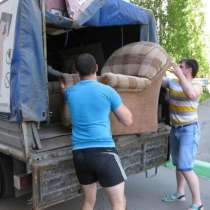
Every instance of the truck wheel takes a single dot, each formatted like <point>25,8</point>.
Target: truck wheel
<point>6,177</point>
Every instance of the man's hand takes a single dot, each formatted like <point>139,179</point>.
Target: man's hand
<point>63,85</point>
<point>191,91</point>
<point>177,71</point>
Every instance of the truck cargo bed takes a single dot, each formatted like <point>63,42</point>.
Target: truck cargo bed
<point>53,137</point>
<point>54,178</point>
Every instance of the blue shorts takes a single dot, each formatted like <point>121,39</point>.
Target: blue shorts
<point>184,145</point>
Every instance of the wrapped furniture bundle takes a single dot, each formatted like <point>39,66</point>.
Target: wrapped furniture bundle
<point>136,72</point>
<point>80,11</point>
<point>56,5</point>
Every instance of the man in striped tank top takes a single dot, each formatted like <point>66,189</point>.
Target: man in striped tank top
<point>184,136</point>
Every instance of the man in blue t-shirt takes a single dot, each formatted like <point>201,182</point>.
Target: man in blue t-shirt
<point>95,157</point>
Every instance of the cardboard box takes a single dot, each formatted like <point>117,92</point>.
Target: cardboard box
<point>59,5</point>
<point>82,10</point>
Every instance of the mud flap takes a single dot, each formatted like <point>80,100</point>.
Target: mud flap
<point>6,176</point>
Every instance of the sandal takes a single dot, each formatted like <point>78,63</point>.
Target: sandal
<point>174,197</point>
<point>196,207</point>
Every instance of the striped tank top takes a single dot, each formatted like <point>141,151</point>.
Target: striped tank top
<point>182,109</point>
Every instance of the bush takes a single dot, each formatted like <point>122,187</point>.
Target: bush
<point>205,96</point>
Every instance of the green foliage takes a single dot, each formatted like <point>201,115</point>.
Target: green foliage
<point>205,96</point>
<point>180,27</point>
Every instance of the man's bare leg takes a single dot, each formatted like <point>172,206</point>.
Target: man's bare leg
<point>116,196</point>
<point>180,182</point>
<point>89,196</point>
<point>193,183</point>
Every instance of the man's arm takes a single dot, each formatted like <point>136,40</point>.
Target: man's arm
<point>124,115</point>
<point>54,72</point>
<point>191,91</point>
<point>60,75</point>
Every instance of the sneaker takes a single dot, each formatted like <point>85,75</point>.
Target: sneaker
<point>196,207</point>
<point>173,197</point>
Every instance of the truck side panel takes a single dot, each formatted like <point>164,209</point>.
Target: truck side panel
<point>54,179</point>
<point>11,139</point>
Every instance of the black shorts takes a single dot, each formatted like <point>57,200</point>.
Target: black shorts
<point>101,165</point>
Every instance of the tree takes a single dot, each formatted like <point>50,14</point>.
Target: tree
<point>180,27</point>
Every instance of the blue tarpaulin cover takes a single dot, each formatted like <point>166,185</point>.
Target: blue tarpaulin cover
<point>113,13</point>
<point>119,12</point>
<point>29,89</point>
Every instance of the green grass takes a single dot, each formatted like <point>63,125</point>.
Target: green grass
<point>205,96</point>
<point>200,167</point>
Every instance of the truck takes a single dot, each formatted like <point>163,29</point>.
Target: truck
<point>35,146</point>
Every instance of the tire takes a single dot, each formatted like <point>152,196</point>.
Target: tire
<point>6,177</point>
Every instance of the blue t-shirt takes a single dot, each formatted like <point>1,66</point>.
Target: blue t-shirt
<point>90,103</point>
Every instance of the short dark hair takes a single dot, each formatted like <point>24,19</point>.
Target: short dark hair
<point>85,64</point>
<point>191,63</point>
